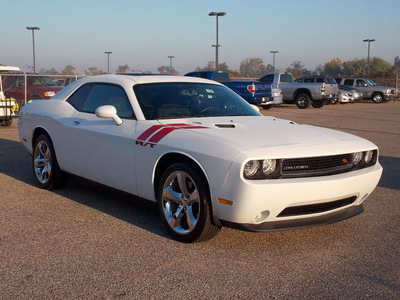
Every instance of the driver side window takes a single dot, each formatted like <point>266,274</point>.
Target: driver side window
<point>90,96</point>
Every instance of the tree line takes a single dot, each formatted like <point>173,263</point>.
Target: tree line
<point>255,68</point>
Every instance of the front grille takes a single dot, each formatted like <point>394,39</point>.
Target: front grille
<point>316,166</point>
<point>315,208</point>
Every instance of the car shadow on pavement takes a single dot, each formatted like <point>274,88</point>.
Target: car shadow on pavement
<point>15,162</point>
<point>391,172</point>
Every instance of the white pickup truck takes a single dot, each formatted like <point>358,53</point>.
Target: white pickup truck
<point>303,94</point>
<point>7,105</point>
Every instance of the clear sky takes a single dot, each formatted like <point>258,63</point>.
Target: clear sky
<point>142,33</point>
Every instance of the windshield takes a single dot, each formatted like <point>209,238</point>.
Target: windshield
<point>187,100</point>
<point>41,81</point>
<point>371,82</point>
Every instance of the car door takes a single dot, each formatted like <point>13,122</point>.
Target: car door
<point>96,148</point>
<point>364,86</point>
<point>12,86</point>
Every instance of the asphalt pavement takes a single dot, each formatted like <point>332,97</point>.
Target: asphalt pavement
<point>88,242</point>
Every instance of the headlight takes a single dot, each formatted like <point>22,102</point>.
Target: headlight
<point>251,168</point>
<point>49,93</point>
<point>261,169</point>
<point>368,156</point>
<point>269,166</point>
<point>357,157</point>
<point>365,159</point>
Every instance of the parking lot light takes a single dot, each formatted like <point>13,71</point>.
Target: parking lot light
<point>33,42</point>
<point>369,41</point>
<point>108,61</point>
<point>273,54</point>
<point>216,14</point>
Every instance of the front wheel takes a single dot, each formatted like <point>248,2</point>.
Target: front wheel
<point>377,97</point>
<point>45,167</point>
<point>183,202</point>
<point>303,101</point>
<point>266,107</point>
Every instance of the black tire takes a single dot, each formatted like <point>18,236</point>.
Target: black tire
<point>377,97</point>
<point>183,203</point>
<point>7,122</point>
<point>45,166</point>
<point>303,101</point>
<point>317,104</point>
<point>266,107</point>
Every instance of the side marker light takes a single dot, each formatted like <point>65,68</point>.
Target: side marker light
<point>224,201</point>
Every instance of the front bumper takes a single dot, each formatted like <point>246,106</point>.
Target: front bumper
<point>389,97</point>
<point>333,217</point>
<point>257,205</point>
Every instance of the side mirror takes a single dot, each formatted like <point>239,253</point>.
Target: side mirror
<point>108,111</point>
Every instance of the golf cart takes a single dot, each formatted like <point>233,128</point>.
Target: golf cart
<point>8,106</point>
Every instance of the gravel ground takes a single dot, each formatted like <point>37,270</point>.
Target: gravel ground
<point>88,242</point>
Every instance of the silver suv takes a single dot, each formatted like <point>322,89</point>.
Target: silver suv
<point>371,90</point>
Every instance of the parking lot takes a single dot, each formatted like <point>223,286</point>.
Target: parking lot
<point>86,241</point>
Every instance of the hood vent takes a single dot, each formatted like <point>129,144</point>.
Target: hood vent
<point>225,125</point>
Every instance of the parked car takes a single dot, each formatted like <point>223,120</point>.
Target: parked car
<point>377,93</point>
<point>356,94</point>
<point>195,147</point>
<point>254,92</point>
<point>345,97</point>
<point>39,87</point>
<point>69,80</point>
<point>303,94</point>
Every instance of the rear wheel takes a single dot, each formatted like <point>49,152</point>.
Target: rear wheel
<point>303,101</point>
<point>183,202</point>
<point>45,167</point>
<point>266,106</point>
<point>377,97</point>
<point>317,104</point>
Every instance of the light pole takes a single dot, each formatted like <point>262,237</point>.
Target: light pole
<point>273,55</point>
<point>216,14</point>
<point>369,41</point>
<point>108,61</point>
<point>170,61</point>
<point>33,42</point>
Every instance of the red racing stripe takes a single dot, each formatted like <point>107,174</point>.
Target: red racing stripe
<point>160,134</point>
<point>156,132</point>
<point>147,133</point>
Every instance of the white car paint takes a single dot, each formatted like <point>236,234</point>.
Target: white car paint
<point>124,156</point>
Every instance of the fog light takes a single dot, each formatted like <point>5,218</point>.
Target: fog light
<point>262,216</point>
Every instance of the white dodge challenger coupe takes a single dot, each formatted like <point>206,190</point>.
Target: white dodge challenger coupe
<point>207,157</point>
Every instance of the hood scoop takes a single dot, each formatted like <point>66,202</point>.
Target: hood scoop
<point>225,125</point>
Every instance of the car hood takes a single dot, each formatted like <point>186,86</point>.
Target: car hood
<point>262,136</point>
<point>46,87</point>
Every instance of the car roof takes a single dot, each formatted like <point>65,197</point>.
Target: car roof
<point>128,81</point>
